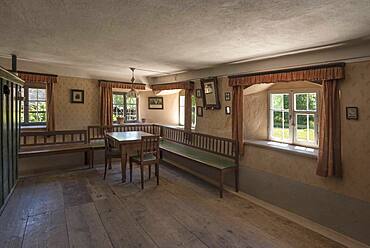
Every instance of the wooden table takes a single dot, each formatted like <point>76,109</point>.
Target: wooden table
<point>126,140</point>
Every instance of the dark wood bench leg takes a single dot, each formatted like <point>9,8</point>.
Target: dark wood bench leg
<point>221,183</point>
<point>157,172</point>
<point>86,160</point>
<point>92,158</point>
<point>150,171</point>
<point>237,179</point>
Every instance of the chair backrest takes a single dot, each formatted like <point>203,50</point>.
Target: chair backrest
<point>109,143</point>
<point>149,144</point>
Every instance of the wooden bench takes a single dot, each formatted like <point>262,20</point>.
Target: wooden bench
<point>96,133</point>
<point>214,152</point>
<point>39,143</point>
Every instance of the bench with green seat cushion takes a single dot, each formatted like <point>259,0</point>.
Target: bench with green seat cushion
<point>208,158</point>
<point>215,161</point>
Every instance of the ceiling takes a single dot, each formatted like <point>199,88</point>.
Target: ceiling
<point>101,39</point>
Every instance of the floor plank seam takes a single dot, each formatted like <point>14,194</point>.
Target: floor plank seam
<point>141,226</point>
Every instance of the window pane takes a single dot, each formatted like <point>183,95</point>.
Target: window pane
<point>302,128</point>
<point>193,111</point>
<point>32,94</point>
<point>32,117</point>
<point>41,117</point>
<point>41,106</point>
<point>117,99</point>
<point>311,125</point>
<point>286,101</point>
<point>182,115</point>
<point>300,101</point>
<point>312,103</point>
<point>276,101</point>
<point>277,125</point>
<point>131,100</point>
<point>41,94</point>
<point>32,106</point>
<point>182,101</point>
<point>286,126</point>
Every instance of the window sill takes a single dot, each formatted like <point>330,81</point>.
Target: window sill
<point>39,127</point>
<point>294,149</point>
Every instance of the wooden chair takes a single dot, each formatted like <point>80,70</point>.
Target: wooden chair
<point>110,152</point>
<point>148,155</point>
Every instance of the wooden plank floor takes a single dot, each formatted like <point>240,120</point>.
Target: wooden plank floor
<point>79,209</point>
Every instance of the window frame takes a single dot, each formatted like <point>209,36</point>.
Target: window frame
<point>193,111</point>
<point>293,133</point>
<point>26,103</point>
<point>124,94</point>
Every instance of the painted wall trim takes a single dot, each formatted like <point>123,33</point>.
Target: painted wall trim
<point>351,52</point>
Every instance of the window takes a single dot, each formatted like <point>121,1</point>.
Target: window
<point>182,111</point>
<point>33,108</point>
<point>294,117</point>
<point>124,106</point>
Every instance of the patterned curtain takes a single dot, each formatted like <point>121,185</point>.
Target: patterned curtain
<point>121,85</point>
<point>50,113</point>
<point>106,106</point>
<point>329,160</point>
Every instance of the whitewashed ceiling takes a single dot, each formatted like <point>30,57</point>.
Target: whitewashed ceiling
<point>101,39</point>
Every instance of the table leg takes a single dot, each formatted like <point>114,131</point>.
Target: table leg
<point>123,163</point>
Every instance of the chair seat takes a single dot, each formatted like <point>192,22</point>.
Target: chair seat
<point>147,157</point>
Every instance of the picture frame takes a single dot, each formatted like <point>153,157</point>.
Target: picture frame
<point>352,113</point>
<point>198,93</point>
<point>228,110</point>
<point>155,102</point>
<point>210,93</point>
<point>77,96</point>
<point>227,96</point>
<point>199,111</point>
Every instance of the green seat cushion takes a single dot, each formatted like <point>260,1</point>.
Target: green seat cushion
<point>147,157</point>
<point>97,143</point>
<point>208,158</point>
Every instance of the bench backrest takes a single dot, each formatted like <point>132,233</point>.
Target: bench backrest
<point>97,132</point>
<point>218,145</point>
<point>38,138</point>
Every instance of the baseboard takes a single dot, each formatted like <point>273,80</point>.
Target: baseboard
<point>309,224</point>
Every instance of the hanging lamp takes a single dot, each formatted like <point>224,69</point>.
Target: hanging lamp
<point>133,93</point>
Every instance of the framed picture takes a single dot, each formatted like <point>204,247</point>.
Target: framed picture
<point>155,102</point>
<point>210,93</point>
<point>228,110</point>
<point>77,96</point>
<point>198,93</point>
<point>227,96</point>
<point>352,113</point>
<point>199,111</point>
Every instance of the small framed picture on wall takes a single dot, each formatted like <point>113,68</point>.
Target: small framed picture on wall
<point>155,102</point>
<point>352,113</point>
<point>77,96</point>
<point>198,93</point>
<point>227,96</point>
<point>199,111</point>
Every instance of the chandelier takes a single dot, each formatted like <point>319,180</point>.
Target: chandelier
<point>133,93</point>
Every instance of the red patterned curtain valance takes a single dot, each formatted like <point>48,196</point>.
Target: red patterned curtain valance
<point>30,77</point>
<point>186,85</point>
<point>122,85</point>
<point>314,73</point>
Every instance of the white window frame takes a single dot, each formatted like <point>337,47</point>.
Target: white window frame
<point>293,116</point>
